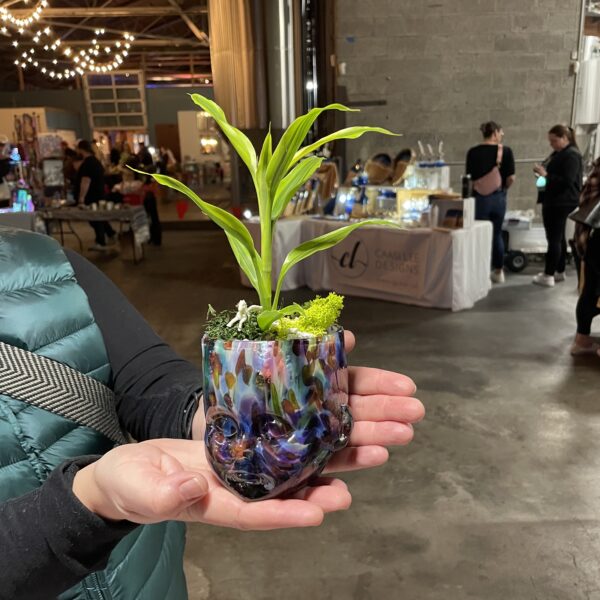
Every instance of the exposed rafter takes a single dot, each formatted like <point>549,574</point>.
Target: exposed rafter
<point>113,12</point>
<point>193,28</point>
<point>171,38</point>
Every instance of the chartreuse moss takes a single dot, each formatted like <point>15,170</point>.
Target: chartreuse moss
<point>319,315</point>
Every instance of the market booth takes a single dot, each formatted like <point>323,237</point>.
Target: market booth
<point>424,267</point>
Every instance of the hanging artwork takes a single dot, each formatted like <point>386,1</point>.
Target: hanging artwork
<point>26,129</point>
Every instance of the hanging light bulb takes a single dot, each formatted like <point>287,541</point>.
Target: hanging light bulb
<point>83,59</point>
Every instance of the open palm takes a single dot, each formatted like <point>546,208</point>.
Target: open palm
<point>169,479</point>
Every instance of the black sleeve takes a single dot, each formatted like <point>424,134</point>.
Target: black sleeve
<point>564,170</point>
<point>508,163</point>
<point>49,540</point>
<point>85,170</point>
<point>157,390</point>
<point>469,166</point>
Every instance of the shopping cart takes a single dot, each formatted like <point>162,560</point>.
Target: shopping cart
<point>524,237</point>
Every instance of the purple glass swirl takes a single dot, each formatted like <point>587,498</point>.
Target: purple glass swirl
<point>276,411</point>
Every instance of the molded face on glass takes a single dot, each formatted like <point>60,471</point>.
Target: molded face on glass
<point>276,411</point>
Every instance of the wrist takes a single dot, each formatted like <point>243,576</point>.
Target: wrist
<point>86,490</point>
<point>198,422</point>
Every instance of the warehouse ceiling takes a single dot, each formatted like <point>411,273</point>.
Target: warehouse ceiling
<point>170,41</point>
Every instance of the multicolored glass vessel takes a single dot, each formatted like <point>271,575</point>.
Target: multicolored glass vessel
<point>276,411</point>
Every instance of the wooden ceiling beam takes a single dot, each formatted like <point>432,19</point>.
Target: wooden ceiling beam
<point>112,12</point>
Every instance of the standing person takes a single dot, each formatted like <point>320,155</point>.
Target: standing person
<point>491,166</point>
<point>168,162</point>
<point>564,179</point>
<point>587,246</point>
<point>90,189</point>
<point>144,157</point>
<point>73,511</point>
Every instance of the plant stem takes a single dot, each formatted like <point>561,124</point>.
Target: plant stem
<point>266,235</point>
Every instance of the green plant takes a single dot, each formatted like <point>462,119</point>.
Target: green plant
<point>277,175</point>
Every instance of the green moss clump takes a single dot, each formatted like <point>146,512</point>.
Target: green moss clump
<point>319,315</point>
<point>216,327</point>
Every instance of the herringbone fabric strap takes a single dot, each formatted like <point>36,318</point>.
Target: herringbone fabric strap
<point>55,387</point>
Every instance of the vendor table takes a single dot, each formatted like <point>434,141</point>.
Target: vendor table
<point>18,220</point>
<point>425,267</point>
<point>134,216</point>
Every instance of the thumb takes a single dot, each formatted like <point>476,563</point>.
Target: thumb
<point>166,497</point>
<point>171,495</point>
<point>193,488</point>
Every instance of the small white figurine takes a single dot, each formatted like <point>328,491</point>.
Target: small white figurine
<point>243,312</point>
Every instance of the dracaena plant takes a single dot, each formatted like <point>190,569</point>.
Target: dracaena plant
<point>277,175</point>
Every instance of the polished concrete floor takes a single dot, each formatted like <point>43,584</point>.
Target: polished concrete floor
<point>498,497</point>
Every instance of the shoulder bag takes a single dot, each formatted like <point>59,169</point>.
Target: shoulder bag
<point>492,181</point>
<point>55,387</point>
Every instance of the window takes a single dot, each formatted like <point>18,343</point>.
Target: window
<point>116,100</point>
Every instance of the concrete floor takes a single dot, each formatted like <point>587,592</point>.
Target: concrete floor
<point>498,497</point>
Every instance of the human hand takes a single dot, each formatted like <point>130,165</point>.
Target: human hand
<point>169,479</point>
<point>540,170</point>
<point>384,410</point>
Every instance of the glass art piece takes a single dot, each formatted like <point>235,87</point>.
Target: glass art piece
<point>275,411</point>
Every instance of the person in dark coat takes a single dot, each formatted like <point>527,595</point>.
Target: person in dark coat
<point>563,172</point>
<point>70,507</point>
<point>587,247</point>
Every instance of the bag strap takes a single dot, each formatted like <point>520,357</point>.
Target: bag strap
<point>52,386</point>
<point>499,155</point>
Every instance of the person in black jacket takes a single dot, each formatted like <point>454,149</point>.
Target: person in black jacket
<point>57,534</point>
<point>587,249</point>
<point>481,160</point>
<point>564,180</point>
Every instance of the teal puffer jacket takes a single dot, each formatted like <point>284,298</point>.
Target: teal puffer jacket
<point>43,310</point>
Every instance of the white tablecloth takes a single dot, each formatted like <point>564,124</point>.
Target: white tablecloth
<point>418,266</point>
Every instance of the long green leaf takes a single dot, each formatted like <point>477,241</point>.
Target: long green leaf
<point>323,242</point>
<point>260,181</point>
<point>349,133</point>
<point>245,262</point>
<point>268,317</point>
<point>239,141</point>
<point>237,233</point>
<point>298,176</point>
<point>292,140</point>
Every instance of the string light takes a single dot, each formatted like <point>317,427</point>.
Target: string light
<point>99,58</point>
<point>86,58</point>
<point>22,24</point>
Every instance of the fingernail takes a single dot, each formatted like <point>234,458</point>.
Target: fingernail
<point>192,489</point>
<point>406,387</point>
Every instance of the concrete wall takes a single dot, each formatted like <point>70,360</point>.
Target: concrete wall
<point>164,103</point>
<point>445,66</point>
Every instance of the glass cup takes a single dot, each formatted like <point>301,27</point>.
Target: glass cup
<point>276,411</point>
